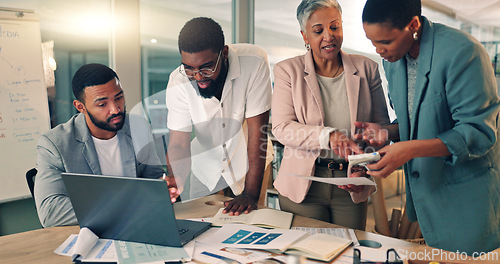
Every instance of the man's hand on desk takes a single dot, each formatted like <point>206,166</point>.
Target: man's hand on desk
<point>243,203</point>
<point>172,187</point>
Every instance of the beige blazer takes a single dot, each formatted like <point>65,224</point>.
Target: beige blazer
<point>298,114</point>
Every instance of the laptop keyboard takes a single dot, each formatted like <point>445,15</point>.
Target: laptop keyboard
<point>182,231</point>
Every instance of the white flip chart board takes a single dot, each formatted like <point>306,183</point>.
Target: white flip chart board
<point>24,113</point>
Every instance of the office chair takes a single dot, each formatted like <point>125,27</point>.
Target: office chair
<point>30,179</point>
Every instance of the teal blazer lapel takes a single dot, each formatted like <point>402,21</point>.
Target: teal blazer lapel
<point>424,68</point>
<point>312,84</point>
<point>398,91</point>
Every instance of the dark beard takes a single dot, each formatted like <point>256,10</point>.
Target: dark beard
<point>216,85</point>
<point>105,125</point>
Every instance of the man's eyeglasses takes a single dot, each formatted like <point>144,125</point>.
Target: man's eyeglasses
<point>205,72</point>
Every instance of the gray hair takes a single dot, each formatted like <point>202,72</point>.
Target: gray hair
<point>307,7</point>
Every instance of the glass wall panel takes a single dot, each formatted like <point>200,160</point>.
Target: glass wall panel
<point>278,31</point>
<point>160,24</point>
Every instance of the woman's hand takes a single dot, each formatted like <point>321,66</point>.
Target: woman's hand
<point>397,154</point>
<point>342,145</point>
<point>373,134</point>
<point>352,187</point>
<point>393,157</point>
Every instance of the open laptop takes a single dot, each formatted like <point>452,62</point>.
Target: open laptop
<point>130,209</point>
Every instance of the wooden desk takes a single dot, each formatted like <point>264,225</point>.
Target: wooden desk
<point>37,246</point>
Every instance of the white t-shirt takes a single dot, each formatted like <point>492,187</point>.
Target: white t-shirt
<point>219,147</point>
<point>108,152</point>
<point>336,108</point>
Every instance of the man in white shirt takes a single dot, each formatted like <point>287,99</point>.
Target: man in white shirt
<point>101,139</point>
<point>222,95</point>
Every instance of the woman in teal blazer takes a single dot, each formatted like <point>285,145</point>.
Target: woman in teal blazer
<point>444,93</point>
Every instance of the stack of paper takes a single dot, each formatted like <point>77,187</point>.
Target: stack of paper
<point>319,246</point>
<point>87,247</point>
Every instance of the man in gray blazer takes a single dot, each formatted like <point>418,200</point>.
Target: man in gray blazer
<point>102,139</point>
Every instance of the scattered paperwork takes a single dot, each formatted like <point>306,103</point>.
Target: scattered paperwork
<point>87,247</point>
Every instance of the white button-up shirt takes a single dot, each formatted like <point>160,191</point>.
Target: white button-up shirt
<point>219,147</point>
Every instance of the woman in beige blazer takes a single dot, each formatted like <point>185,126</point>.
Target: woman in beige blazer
<point>316,100</point>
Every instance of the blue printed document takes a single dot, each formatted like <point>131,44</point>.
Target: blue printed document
<point>247,236</point>
<point>87,247</point>
<point>317,246</point>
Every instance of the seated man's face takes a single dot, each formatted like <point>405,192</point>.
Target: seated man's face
<point>105,106</point>
<point>205,61</point>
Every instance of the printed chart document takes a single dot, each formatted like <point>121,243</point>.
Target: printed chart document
<point>87,247</point>
<point>219,254</point>
<point>319,246</point>
<point>270,218</point>
<point>248,236</point>
<point>207,254</point>
<point>132,252</point>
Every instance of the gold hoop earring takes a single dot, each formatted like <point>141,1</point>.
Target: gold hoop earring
<point>415,35</point>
